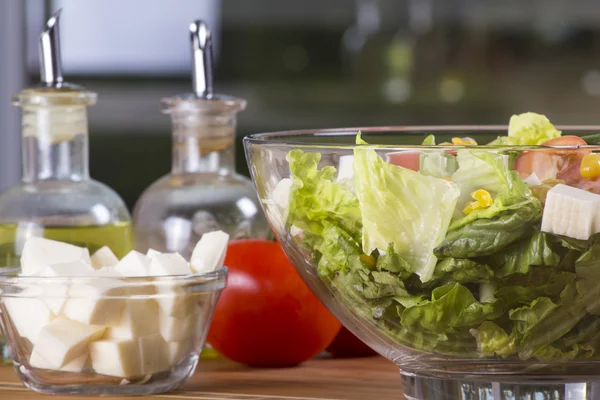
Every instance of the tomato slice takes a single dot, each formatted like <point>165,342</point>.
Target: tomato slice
<point>405,159</point>
<point>549,164</point>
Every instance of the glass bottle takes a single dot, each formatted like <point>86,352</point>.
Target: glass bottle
<point>202,193</point>
<point>56,197</point>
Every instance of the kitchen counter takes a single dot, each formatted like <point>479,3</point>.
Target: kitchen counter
<point>351,379</point>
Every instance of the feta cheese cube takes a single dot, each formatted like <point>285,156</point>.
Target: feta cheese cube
<point>64,340</point>
<point>155,354</point>
<point>532,180</point>
<point>209,253</point>
<point>38,253</point>
<point>176,329</point>
<point>151,253</point>
<point>134,264</point>
<point>139,318</point>
<point>571,212</point>
<point>130,358</point>
<point>173,300</point>
<point>76,268</point>
<point>28,315</point>
<point>77,365</point>
<point>345,168</point>
<point>169,264</point>
<point>104,257</point>
<point>178,350</point>
<point>119,358</point>
<point>93,302</point>
<point>110,272</point>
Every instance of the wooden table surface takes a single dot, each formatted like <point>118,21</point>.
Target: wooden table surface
<point>350,379</point>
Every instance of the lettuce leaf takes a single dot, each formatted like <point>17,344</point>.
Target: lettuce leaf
<point>492,339</point>
<point>528,129</point>
<point>587,268</point>
<point>462,270</point>
<point>527,317</point>
<point>451,306</point>
<point>328,214</point>
<point>484,237</point>
<point>488,171</point>
<point>402,207</point>
<point>521,256</point>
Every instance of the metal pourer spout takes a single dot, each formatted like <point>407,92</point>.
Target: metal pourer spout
<point>50,63</point>
<point>202,59</point>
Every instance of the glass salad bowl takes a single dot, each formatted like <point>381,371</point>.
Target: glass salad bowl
<point>474,268</point>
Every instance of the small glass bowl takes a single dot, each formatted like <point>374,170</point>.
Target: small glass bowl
<point>144,335</point>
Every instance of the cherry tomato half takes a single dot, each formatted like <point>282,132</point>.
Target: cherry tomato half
<point>406,159</point>
<point>548,164</point>
<point>267,316</point>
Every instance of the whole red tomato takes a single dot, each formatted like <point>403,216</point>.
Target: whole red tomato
<point>346,345</point>
<point>267,316</point>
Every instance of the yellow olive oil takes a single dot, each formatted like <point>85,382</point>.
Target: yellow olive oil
<point>117,236</point>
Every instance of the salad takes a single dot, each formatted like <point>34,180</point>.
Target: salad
<point>476,252</point>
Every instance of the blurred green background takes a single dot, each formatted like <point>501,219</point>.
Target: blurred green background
<point>317,64</point>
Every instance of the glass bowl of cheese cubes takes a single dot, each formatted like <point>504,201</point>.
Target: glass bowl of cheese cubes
<point>467,255</point>
<point>95,325</point>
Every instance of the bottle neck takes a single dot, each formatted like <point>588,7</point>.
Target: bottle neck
<point>55,143</point>
<point>203,144</point>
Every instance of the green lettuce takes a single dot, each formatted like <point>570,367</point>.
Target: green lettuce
<point>587,268</point>
<point>402,207</point>
<point>484,237</point>
<point>328,214</point>
<point>519,257</point>
<point>492,339</point>
<point>451,306</point>
<point>528,129</point>
<point>462,270</point>
<point>488,171</point>
<point>527,317</point>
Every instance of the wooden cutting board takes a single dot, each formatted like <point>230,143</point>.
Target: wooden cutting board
<point>351,379</point>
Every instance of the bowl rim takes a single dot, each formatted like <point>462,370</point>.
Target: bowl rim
<point>205,282</point>
<point>275,137</point>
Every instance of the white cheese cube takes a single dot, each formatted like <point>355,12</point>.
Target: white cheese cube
<point>38,253</point>
<point>139,318</point>
<point>28,315</point>
<point>64,340</point>
<point>134,264</point>
<point>76,268</point>
<point>176,329</point>
<point>151,253</point>
<point>345,168</point>
<point>104,257</point>
<point>209,253</point>
<point>173,300</point>
<point>93,302</point>
<point>178,350</point>
<point>281,194</point>
<point>532,180</point>
<point>155,354</point>
<point>119,358</point>
<point>169,264</point>
<point>571,212</point>
<point>109,272</point>
<point>77,365</point>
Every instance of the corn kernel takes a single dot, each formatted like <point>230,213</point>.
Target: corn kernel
<point>369,261</point>
<point>483,199</point>
<point>590,166</point>
<point>466,141</point>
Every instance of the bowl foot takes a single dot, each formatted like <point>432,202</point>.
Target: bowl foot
<point>427,388</point>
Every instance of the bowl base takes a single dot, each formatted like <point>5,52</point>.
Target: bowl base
<point>427,388</point>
